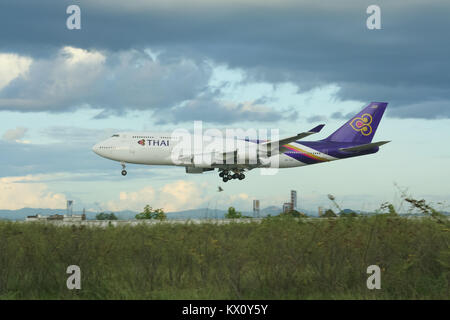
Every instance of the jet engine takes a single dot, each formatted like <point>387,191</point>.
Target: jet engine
<point>197,170</point>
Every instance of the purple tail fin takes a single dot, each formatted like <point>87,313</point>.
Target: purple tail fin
<point>361,128</point>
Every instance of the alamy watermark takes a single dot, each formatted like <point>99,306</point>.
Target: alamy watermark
<point>249,148</point>
<point>73,22</point>
<point>374,281</point>
<point>373,22</point>
<point>74,280</point>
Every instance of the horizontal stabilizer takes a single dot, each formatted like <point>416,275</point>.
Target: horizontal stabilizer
<point>364,147</point>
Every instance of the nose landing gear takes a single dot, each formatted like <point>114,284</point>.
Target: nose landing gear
<point>124,172</point>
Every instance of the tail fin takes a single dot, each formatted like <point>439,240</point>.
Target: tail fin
<point>361,128</point>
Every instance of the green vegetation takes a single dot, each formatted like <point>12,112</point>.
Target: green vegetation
<point>150,213</point>
<point>279,258</point>
<point>233,214</point>
<point>348,214</point>
<point>292,214</point>
<point>329,214</point>
<point>106,216</point>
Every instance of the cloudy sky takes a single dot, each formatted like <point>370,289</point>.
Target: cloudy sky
<point>160,65</point>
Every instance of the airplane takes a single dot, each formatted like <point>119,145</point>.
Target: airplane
<point>353,139</point>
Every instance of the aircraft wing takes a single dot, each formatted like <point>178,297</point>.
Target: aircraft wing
<point>270,146</point>
<point>363,147</point>
<point>228,159</point>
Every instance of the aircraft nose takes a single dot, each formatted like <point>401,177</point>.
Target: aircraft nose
<point>96,148</point>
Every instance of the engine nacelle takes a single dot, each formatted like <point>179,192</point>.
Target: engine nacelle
<point>197,170</point>
<point>202,160</point>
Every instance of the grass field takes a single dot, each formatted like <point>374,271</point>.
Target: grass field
<point>275,259</point>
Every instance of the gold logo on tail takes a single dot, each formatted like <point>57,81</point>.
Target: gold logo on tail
<point>362,124</point>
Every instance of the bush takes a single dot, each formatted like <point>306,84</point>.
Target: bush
<point>106,216</point>
<point>233,214</point>
<point>150,213</point>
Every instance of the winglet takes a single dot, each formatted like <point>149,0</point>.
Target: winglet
<point>317,129</point>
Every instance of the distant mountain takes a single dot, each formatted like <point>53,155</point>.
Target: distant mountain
<point>201,213</point>
<point>21,214</point>
<point>272,210</point>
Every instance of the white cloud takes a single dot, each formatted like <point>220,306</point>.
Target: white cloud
<point>11,67</point>
<point>16,134</point>
<point>25,192</point>
<point>74,56</point>
<point>179,195</point>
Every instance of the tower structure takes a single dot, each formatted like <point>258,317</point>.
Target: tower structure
<point>69,207</point>
<point>294,199</point>
<point>256,208</point>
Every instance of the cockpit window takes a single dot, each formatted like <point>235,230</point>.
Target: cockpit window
<point>115,135</point>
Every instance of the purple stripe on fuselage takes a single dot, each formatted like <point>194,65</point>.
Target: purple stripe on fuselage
<point>326,147</point>
<point>330,148</point>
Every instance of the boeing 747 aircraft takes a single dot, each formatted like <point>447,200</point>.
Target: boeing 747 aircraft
<point>234,156</point>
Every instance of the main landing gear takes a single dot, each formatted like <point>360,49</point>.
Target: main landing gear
<point>124,172</point>
<point>233,174</point>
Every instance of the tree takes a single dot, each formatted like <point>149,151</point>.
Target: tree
<point>348,214</point>
<point>150,213</point>
<point>106,216</point>
<point>233,214</point>
<point>293,213</point>
<point>329,214</point>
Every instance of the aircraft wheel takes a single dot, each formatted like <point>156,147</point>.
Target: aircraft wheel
<point>221,174</point>
<point>124,172</point>
<point>241,176</point>
<point>225,179</point>
<point>235,176</point>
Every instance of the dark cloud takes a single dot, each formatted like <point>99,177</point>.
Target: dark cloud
<point>116,81</point>
<point>340,116</point>
<point>72,152</point>
<point>316,118</point>
<point>214,111</point>
<point>310,44</point>
<point>426,110</point>
<point>78,135</point>
<point>72,157</point>
<point>26,159</point>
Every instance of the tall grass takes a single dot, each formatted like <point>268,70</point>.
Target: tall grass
<point>275,259</point>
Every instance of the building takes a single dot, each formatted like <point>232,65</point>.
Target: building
<point>292,205</point>
<point>69,207</point>
<point>36,217</point>
<point>74,217</point>
<point>321,211</point>
<point>294,199</point>
<point>256,208</point>
<point>57,217</point>
<point>287,207</point>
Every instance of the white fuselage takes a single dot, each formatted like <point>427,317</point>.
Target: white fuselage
<point>193,151</point>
